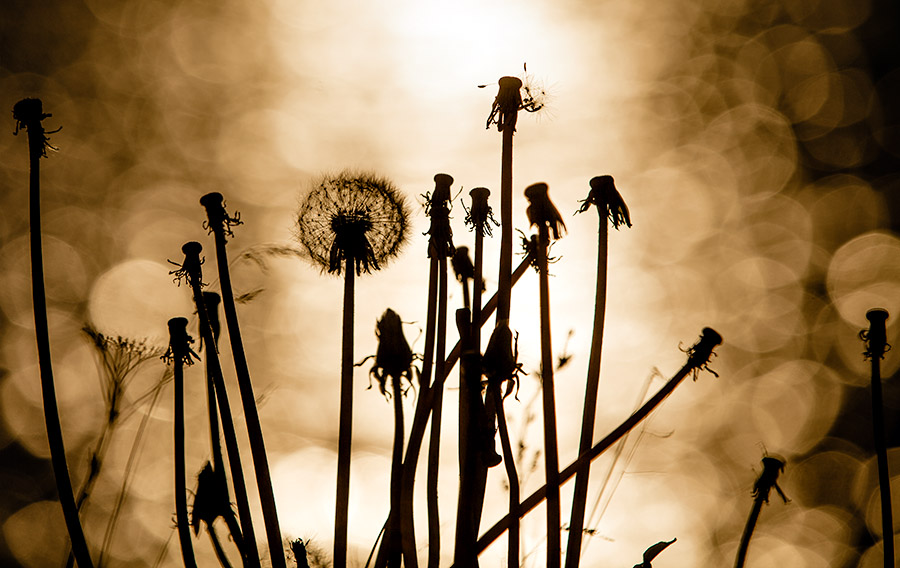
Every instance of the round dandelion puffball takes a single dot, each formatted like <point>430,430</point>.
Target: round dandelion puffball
<point>356,217</point>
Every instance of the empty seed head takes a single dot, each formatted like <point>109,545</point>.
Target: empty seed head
<point>218,220</point>
<point>876,336</point>
<point>179,343</point>
<point>609,202</point>
<point>541,211</point>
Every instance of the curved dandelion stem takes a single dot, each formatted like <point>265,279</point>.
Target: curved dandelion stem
<point>698,356</point>
<point>28,114</point>
<point>609,206</point>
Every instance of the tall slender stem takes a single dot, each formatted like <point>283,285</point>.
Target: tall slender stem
<point>345,433</point>
<point>506,225</point>
<point>434,444</point>
<point>180,352</point>
<point>877,343</point>
<point>28,114</point>
<point>512,476</point>
<point>551,453</point>
<point>191,267</point>
<point>217,219</point>
<point>698,357</point>
<point>741,556</point>
<point>576,521</point>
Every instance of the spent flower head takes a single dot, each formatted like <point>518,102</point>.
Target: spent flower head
<point>218,220</point>
<point>394,357</point>
<point>28,114</point>
<point>541,210</point>
<point>179,343</point>
<point>356,217</point>
<point>609,202</point>
<point>480,216</point>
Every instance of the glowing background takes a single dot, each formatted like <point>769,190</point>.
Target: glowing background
<point>755,143</point>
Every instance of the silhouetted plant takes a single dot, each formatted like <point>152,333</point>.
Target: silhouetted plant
<point>220,223</point>
<point>350,224</point>
<point>763,485</point>
<point>698,360</point>
<point>393,361</point>
<point>29,115</point>
<point>610,206</point>
<point>440,244</point>
<point>543,213</point>
<point>500,365</point>
<point>876,346</point>
<point>211,502</point>
<point>190,270</point>
<point>181,354</point>
<point>653,552</point>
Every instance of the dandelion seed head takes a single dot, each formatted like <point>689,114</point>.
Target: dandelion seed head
<point>356,217</point>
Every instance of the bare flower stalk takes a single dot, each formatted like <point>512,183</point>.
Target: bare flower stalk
<point>29,114</point>
<point>220,224</point>
<point>440,245</point>
<point>767,480</point>
<point>212,489</point>
<point>190,269</point>
<point>393,361</point>
<point>543,213</point>
<point>698,359</point>
<point>350,223</point>
<point>876,347</point>
<point>181,354</point>
<point>500,365</point>
<point>610,206</point>
<point>423,411</point>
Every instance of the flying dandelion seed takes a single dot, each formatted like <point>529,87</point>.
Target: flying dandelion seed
<point>358,217</point>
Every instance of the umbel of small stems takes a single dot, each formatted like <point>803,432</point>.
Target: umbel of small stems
<point>610,206</point>
<point>219,224</point>
<point>543,213</point>
<point>876,346</point>
<point>181,354</point>
<point>767,481</point>
<point>28,114</point>
<point>191,270</point>
<point>698,357</point>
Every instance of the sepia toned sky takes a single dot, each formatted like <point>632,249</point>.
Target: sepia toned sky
<point>756,145</point>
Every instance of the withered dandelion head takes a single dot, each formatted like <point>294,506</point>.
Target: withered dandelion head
<point>541,211</point>
<point>609,202</point>
<point>356,217</point>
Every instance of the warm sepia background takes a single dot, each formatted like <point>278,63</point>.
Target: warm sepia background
<point>756,144</point>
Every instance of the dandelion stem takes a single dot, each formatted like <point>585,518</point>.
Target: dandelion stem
<point>469,436</point>
<point>506,224</point>
<point>180,351</point>
<point>212,300</point>
<point>877,344</point>
<point>609,206</point>
<point>748,532</point>
<point>346,420</point>
<point>697,359</point>
<point>576,520</point>
<point>28,114</point>
<point>512,476</point>
<point>551,453</point>
<point>767,480</point>
<point>217,219</point>
<point>192,267</point>
<point>434,445</point>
